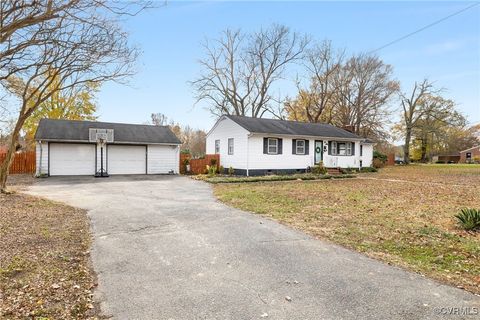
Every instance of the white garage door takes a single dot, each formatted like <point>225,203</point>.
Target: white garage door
<point>162,159</point>
<point>72,159</point>
<point>126,159</point>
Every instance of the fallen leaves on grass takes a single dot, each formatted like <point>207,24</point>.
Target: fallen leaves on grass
<point>406,224</point>
<point>44,260</point>
<point>450,174</point>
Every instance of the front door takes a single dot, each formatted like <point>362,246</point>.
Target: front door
<point>318,151</point>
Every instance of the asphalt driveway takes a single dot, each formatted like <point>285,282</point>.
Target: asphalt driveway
<point>164,248</point>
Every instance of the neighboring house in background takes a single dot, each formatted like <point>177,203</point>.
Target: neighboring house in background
<point>470,155</point>
<point>257,146</point>
<point>21,146</point>
<point>446,158</point>
<point>68,147</point>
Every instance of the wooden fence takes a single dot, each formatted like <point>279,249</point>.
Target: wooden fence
<point>198,166</point>
<point>23,162</point>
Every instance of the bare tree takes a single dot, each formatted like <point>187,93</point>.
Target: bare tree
<point>364,87</point>
<point>159,119</point>
<point>321,62</point>
<point>240,69</point>
<point>355,92</point>
<point>414,109</point>
<point>70,42</point>
<point>25,26</point>
<point>193,140</point>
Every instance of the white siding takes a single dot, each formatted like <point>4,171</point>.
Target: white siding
<point>367,156</point>
<point>163,159</point>
<point>258,160</point>
<point>330,161</point>
<point>223,130</point>
<point>287,160</point>
<point>341,161</point>
<point>41,150</point>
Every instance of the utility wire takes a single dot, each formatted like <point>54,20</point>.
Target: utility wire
<point>425,27</point>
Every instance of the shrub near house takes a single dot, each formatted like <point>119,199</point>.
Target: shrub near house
<point>379,159</point>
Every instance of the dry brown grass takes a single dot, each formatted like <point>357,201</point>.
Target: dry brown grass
<point>408,223</point>
<point>45,268</point>
<point>461,174</point>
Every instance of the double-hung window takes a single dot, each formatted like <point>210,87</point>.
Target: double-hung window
<point>349,149</point>
<point>272,146</point>
<point>300,146</point>
<point>217,146</point>
<point>342,148</point>
<point>230,146</point>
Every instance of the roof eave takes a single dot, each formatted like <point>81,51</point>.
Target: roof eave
<point>223,117</point>
<point>215,125</point>
<point>308,136</point>
<point>115,142</point>
<point>469,149</point>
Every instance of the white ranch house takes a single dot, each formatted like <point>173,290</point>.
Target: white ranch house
<point>257,146</point>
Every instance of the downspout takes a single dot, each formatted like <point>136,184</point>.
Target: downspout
<point>177,156</point>
<point>248,143</point>
<point>40,160</point>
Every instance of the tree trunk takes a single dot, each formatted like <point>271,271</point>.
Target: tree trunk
<point>424,150</point>
<point>406,147</point>
<point>12,147</point>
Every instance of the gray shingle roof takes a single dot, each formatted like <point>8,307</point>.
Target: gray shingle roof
<point>297,128</point>
<point>73,130</point>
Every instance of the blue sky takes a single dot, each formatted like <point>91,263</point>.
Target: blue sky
<point>170,38</point>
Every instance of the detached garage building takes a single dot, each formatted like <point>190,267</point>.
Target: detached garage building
<point>67,147</point>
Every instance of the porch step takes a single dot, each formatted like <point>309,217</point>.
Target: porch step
<point>334,171</point>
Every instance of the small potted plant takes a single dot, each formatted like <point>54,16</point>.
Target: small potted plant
<point>186,162</point>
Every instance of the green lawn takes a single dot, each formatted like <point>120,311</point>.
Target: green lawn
<point>408,223</point>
